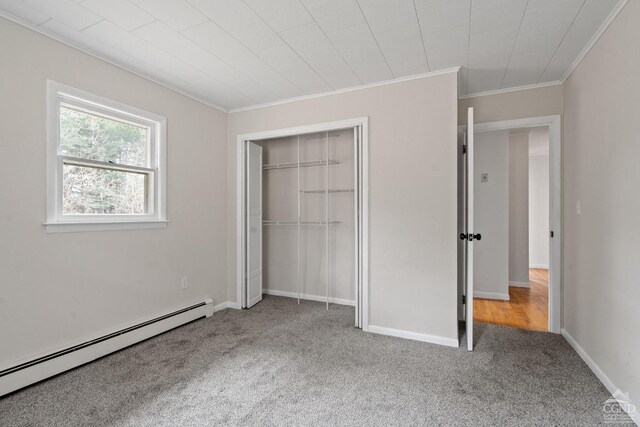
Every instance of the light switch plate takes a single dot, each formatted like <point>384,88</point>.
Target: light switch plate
<point>484,177</point>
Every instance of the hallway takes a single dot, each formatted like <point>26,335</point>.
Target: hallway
<point>528,308</point>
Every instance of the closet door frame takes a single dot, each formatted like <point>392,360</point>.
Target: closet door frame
<point>361,128</point>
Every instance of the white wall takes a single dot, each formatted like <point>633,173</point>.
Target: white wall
<point>519,208</point>
<point>601,255</point>
<point>412,194</point>
<point>542,101</point>
<point>61,289</point>
<point>539,211</point>
<point>491,215</point>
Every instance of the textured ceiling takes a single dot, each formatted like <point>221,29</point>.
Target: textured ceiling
<point>236,53</point>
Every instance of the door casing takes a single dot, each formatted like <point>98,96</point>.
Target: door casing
<point>554,123</point>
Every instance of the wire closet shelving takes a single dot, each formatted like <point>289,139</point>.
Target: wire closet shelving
<point>326,162</point>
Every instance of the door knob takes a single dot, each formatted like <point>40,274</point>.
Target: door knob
<point>470,236</point>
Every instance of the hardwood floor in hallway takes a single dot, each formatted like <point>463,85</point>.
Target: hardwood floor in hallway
<point>528,308</point>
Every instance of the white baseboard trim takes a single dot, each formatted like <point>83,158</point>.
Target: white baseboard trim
<point>541,266</point>
<point>310,297</point>
<point>47,368</point>
<point>520,284</point>
<point>491,295</point>
<point>227,304</point>
<point>416,336</point>
<point>604,378</point>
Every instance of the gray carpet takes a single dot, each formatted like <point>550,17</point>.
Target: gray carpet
<point>284,364</point>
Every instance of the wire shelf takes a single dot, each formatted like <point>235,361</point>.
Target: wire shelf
<point>292,165</point>
<point>344,190</point>
<point>319,223</point>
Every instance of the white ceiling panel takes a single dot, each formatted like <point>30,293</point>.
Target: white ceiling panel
<point>65,11</point>
<point>526,67</point>
<point>29,14</point>
<point>241,52</point>
<point>308,36</point>
<point>533,41</point>
<point>492,15</point>
<point>292,67</point>
<point>358,47</point>
<point>220,43</point>
<point>258,37</point>
<point>165,38</point>
<point>123,13</point>
<point>313,46</point>
<point>498,40</point>
<point>334,15</point>
<point>441,61</point>
<point>486,70</point>
<point>383,15</point>
<point>67,32</point>
<point>403,49</point>
<point>229,14</point>
<point>542,15</point>
<point>281,15</point>
<point>440,15</point>
<point>281,85</point>
<point>396,31</point>
<point>117,38</point>
<point>178,14</point>
<point>587,23</point>
<point>450,41</point>
<point>263,73</point>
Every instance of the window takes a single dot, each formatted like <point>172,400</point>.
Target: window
<point>106,164</point>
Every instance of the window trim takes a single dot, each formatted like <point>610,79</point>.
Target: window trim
<point>57,94</point>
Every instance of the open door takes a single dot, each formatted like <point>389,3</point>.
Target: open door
<point>468,234</point>
<point>253,293</point>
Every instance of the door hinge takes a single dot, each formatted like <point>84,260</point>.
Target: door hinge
<point>464,149</point>
<point>551,233</point>
<point>464,299</point>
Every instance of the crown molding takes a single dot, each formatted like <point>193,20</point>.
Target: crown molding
<point>348,89</point>
<point>511,89</point>
<point>605,24</point>
<point>88,51</point>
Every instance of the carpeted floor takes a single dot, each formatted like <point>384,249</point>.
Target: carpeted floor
<point>283,364</point>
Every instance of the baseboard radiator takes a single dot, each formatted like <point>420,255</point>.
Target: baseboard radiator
<point>40,368</point>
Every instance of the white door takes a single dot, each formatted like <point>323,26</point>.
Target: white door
<point>253,234</point>
<point>470,236</point>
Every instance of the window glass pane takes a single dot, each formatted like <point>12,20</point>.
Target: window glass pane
<point>88,190</point>
<point>94,137</point>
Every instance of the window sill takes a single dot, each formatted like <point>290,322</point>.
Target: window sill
<point>70,227</point>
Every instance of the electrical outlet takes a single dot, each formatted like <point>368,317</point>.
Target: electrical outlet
<point>184,283</point>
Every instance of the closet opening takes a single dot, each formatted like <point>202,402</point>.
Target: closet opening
<point>302,209</point>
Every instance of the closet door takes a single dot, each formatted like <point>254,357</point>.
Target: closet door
<point>254,224</point>
<point>470,236</point>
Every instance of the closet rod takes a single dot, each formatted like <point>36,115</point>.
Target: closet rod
<point>346,190</point>
<point>276,222</point>
<point>306,164</point>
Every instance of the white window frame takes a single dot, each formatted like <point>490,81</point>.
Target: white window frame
<point>57,221</point>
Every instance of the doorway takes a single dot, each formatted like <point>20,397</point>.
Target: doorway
<point>306,190</point>
<point>510,268</point>
<point>512,210</point>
